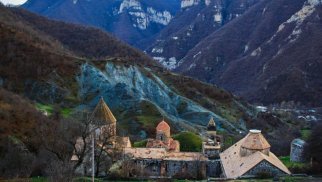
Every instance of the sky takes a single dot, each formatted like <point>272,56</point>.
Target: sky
<point>14,2</point>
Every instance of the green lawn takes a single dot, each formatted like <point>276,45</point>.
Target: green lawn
<point>45,108</point>
<point>289,164</point>
<point>50,109</point>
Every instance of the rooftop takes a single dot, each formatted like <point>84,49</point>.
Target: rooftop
<point>211,125</point>
<point>236,165</point>
<point>102,114</point>
<point>255,141</point>
<point>162,154</point>
<point>298,142</point>
<point>163,126</point>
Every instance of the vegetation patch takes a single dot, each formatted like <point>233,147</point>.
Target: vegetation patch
<point>49,109</point>
<point>189,142</point>
<point>294,166</point>
<point>305,134</point>
<point>140,144</point>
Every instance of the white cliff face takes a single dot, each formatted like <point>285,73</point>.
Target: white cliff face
<point>218,17</point>
<point>188,3</point>
<point>142,17</point>
<point>298,18</point>
<point>127,4</point>
<point>127,87</point>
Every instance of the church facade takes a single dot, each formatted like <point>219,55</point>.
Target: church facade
<point>162,158</point>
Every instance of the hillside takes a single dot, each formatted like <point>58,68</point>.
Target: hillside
<point>192,24</point>
<point>130,87</point>
<point>129,20</point>
<point>264,57</point>
<point>47,70</point>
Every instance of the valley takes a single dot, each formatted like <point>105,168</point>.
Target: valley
<point>234,62</point>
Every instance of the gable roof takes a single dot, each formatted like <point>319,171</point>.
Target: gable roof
<point>235,165</point>
<point>255,141</point>
<point>102,114</point>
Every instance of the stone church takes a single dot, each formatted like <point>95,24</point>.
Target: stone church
<point>161,158</point>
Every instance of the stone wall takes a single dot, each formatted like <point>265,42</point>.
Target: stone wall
<point>262,168</point>
<point>297,153</point>
<point>214,168</point>
<point>153,168</point>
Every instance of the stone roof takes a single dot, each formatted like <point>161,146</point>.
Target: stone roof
<point>145,153</point>
<point>102,114</point>
<point>211,125</point>
<point>235,165</point>
<point>255,141</point>
<point>163,126</point>
<point>298,142</point>
<point>172,145</point>
<point>162,154</point>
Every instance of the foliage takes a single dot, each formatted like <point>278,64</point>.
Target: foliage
<point>305,134</point>
<point>140,144</point>
<point>313,148</point>
<point>189,142</point>
<point>49,109</point>
<point>290,164</point>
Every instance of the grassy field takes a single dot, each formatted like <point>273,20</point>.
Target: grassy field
<point>289,164</point>
<point>49,109</point>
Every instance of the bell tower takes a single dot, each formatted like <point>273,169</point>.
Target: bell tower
<point>103,118</point>
<point>211,146</point>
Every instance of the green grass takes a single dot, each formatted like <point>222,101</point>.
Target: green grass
<point>289,164</point>
<point>148,121</point>
<point>140,144</point>
<point>50,109</point>
<point>39,179</point>
<point>86,179</point>
<point>45,108</point>
<point>305,134</point>
<point>66,112</point>
<point>189,142</point>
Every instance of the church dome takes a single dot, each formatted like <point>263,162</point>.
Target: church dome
<point>211,125</point>
<point>102,114</point>
<point>255,141</point>
<point>163,126</point>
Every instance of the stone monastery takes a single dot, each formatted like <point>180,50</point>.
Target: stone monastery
<point>162,158</point>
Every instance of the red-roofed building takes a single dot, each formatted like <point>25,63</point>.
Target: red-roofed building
<point>163,139</point>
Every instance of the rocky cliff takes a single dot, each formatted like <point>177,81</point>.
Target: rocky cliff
<point>129,20</point>
<point>270,54</point>
<point>192,24</point>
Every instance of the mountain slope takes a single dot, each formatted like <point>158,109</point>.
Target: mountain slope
<point>47,71</point>
<point>129,20</point>
<point>196,21</point>
<point>139,93</point>
<point>264,57</point>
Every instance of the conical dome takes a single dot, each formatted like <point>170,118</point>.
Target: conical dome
<point>102,114</point>
<point>255,141</point>
<point>211,125</point>
<point>163,126</point>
